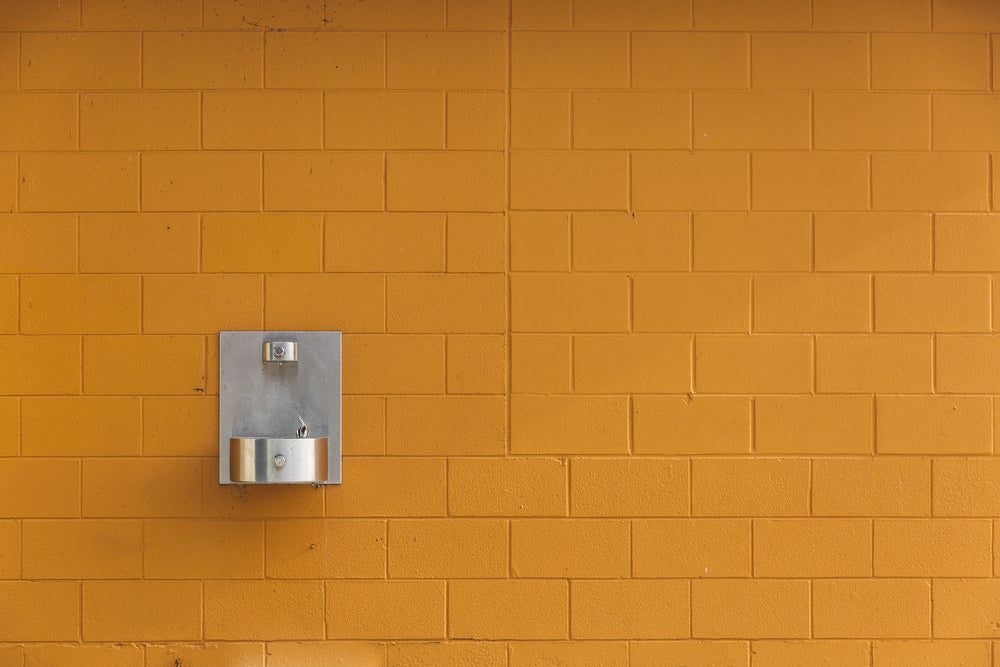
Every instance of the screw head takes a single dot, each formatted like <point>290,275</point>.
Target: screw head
<point>279,461</point>
<point>278,350</point>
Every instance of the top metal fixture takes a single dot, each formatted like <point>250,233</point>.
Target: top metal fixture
<point>284,350</point>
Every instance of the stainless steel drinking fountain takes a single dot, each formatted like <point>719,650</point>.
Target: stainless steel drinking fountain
<point>279,407</point>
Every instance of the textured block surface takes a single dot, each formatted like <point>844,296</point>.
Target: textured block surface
<point>671,330</point>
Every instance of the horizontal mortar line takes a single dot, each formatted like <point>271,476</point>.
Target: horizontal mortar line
<point>743,211</point>
<point>259,89</point>
<point>342,89</point>
<point>754,89</point>
<point>700,394</point>
<point>317,150</point>
<point>513,517</point>
<point>736,273</point>
<point>638,211</point>
<point>188,90</point>
<point>661,518</point>
<point>677,458</point>
<point>730,211</point>
<point>191,395</point>
<point>746,334</point>
<point>660,577</point>
<point>549,88</point>
<point>276,274</point>
<point>247,28</point>
<point>741,151</point>
<point>439,150</point>
<point>729,272</point>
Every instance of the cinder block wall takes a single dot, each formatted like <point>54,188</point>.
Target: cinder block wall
<point>668,330</point>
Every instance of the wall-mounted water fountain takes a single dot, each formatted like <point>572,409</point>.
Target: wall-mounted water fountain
<point>279,407</point>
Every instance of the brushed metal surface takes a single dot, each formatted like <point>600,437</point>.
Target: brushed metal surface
<point>264,400</point>
<point>278,460</point>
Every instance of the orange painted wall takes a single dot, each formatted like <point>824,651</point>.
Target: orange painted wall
<point>669,330</point>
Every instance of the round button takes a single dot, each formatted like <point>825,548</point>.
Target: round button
<point>279,461</point>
